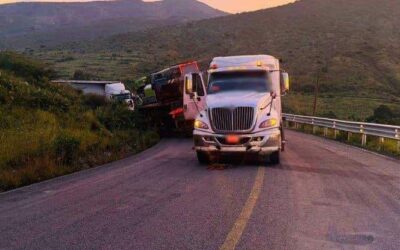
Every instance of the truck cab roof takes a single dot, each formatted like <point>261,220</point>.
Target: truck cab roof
<point>177,70</point>
<point>244,62</point>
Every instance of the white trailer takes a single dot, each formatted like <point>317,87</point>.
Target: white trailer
<point>112,90</point>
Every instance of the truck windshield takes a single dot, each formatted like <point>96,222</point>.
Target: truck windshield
<point>121,97</point>
<point>239,81</point>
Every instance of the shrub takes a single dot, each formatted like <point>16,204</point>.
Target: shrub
<point>46,100</point>
<point>117,117</point>
<point>3,95</point>
<point>66,148</point>
<point>329,114</point>
<point>94,101</point>
<point>24,67</point>
<point>383,114</point>
<point>82,75</point>
<point>66,59</point>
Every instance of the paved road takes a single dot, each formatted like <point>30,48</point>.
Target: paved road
<point>324,195</point>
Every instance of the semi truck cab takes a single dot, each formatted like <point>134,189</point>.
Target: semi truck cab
<point>118,92</point>
<point>239,111</point>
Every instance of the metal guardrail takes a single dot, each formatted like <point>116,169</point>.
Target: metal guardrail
<point>365,129</point>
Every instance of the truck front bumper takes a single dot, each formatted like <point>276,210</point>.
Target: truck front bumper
<point>262,143</point>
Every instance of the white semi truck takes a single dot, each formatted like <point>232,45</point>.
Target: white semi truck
<point>111,90</point>
<point>242,109</point>
<point>117,92</point>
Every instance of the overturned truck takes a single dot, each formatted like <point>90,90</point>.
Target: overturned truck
<point>165,99</point>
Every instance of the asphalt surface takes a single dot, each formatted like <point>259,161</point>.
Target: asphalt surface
<point>323,195</point>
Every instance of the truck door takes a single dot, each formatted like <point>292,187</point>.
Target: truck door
<point>194,96</point>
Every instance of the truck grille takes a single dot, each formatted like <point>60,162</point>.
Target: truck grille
<point>237,119</point>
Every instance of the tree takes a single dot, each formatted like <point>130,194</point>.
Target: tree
<point>382,114</point>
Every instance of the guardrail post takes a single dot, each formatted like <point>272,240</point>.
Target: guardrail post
<point>381,142</point>
<point>314,128</point>
<point>349,134</point>
<point>326,132</point>
<point>364,140</point>
<point>363,136</point>
<point>335,133</point>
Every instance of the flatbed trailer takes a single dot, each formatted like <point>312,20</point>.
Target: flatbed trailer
<point>169,105</point>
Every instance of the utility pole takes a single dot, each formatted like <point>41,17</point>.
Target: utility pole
<point>316,93</point>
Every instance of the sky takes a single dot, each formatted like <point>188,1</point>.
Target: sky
<point>235,6</point>
<point>232,6</point>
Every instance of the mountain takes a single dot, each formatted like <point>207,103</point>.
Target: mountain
<point>352,47</point>
<point>42,23</point>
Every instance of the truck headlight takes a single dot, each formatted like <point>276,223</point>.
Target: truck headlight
<point>200,124</point>
<point>269,123</point>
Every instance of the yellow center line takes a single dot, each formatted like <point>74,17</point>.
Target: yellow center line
<point>236,232</point>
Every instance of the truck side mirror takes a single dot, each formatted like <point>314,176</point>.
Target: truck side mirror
<point>194,86</point>
<point>189,85</point>
<point>285,82</point>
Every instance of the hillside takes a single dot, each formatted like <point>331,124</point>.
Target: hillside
<point>351,46</point>
<point>48,130</point>
<point>43,24</point>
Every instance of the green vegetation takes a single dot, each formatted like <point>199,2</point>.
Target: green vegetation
<point>383,114</point>
<point>48,130</point>
<point>387,146</point>
<point>350,47</point>
<point>340,107</point>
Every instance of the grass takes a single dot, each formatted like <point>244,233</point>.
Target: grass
<point>344,107</point>
<point>103,65</point>
<point>42,146</point>
<point>48,130</point>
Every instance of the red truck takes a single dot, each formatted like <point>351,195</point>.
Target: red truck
<point>166,97</point>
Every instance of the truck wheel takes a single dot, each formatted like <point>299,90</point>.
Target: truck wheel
<point>203,158</point>
<point>283,146</point>
<point>283,140</point>
<point>275,158</point>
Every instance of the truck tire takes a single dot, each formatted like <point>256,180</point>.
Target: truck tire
<point>275,158</point>
<point>283,140</point>
<point>203,158</point>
